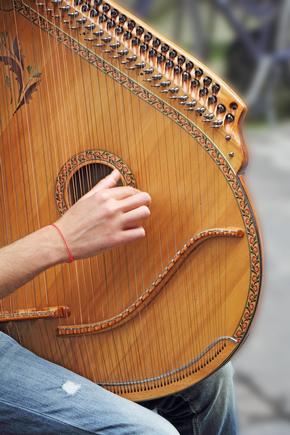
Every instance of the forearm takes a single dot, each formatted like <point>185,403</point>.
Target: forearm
<point>105,217</point>
<point>27,257</point>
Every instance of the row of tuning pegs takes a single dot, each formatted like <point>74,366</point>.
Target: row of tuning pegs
<point>139,50</point>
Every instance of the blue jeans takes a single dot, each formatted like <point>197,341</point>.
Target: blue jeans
<point>38,397</point>
<point>207,408</point>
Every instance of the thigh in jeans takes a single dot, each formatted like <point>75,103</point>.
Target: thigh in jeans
<point>38,397</point>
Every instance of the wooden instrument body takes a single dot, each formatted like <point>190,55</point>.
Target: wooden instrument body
<point>82,100</point>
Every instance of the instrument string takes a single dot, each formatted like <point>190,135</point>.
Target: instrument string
<point>202,268</point>
<point>137,270</point>
<point>209,292</point>
<point>161,177</point>
<point>99,114</point>
<point>225,268</point>
<point>208,259</point>
<point>150,230</point>
<point>120,97</point>
<point>83,181</point>
<point>5,129</point>
<point>113,296</point>
<point>79,139</point>
<point>219,258</point>
<point>27,141</point>
<point>174,219</point>
<point>87,139</point>
<point>144,170</point>
<point>176,222</point>
<point>188,196</point>
<point>121,252</point>
<point>165,177</point>
<point>214,290</point>
<point>49,155</point>
<point>221,262</point>
<point>218,306</point>
<point>108,257</point>
<point>57,150</point>
<point>16,298</point>
<point>46,157</point>
<point>160,336</point>
<point>15,231</point>
<point>192,291</point>
<point>95,121</point>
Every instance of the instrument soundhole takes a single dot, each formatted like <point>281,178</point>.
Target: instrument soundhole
<point>82,171</point>
<point>85,178</point>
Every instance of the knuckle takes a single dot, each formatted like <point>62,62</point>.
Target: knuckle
<point>110,207</point>
<point>101,196</point>
<point>118,238</point>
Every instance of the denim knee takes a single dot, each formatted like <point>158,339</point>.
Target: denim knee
<point>155,426</point>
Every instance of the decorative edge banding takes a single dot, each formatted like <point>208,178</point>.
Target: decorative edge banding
<point>86,157</point>
<point>154,289</point>
<point>181,120</point>
<point>34,314</point>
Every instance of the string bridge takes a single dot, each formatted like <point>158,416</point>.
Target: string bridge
<point>35,313</point>
<point>154,289</point>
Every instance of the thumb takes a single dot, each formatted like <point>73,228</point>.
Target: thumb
<point>109,181</point>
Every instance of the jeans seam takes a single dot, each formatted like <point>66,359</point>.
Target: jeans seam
<point>196,425</point>
<point>46,416</point>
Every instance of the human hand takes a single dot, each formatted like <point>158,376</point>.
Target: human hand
<point>105,217</point>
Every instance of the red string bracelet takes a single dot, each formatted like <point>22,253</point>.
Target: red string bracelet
<point>69,253</point>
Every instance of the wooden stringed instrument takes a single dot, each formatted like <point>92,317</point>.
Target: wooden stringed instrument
<point>87,87</point>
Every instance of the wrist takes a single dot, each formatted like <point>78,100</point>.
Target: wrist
<point>53,246</point>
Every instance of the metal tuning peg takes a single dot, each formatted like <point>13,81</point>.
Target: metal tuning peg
<point>140,65</point>
<point>163,84</point>
<point>115,45</point>
<point>98,33</point>
<point>90,26</point>
<point>200,110</point>
<point>148,71</point>
<point>64,8</point>
<point>81,21</point>
<point>129,59</point>
<point>154,78</point>
<point>107,39</point>
<point>157,77</point>
<point>180,98</point>
<point>189,105</point>
<point>217,123</point>
<point>73,14</point>
<point>173,90</point>
<point>208,117</point>
<point>121,53</point>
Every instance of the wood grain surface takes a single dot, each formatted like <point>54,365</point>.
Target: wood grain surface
<point>83,99</point>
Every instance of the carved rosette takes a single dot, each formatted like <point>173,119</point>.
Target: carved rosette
<point>85,158</point>
<point>232,179</point>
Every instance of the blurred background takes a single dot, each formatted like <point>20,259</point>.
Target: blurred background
<point>247,42</point>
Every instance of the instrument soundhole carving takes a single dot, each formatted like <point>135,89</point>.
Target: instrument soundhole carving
<point>82,171</point>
